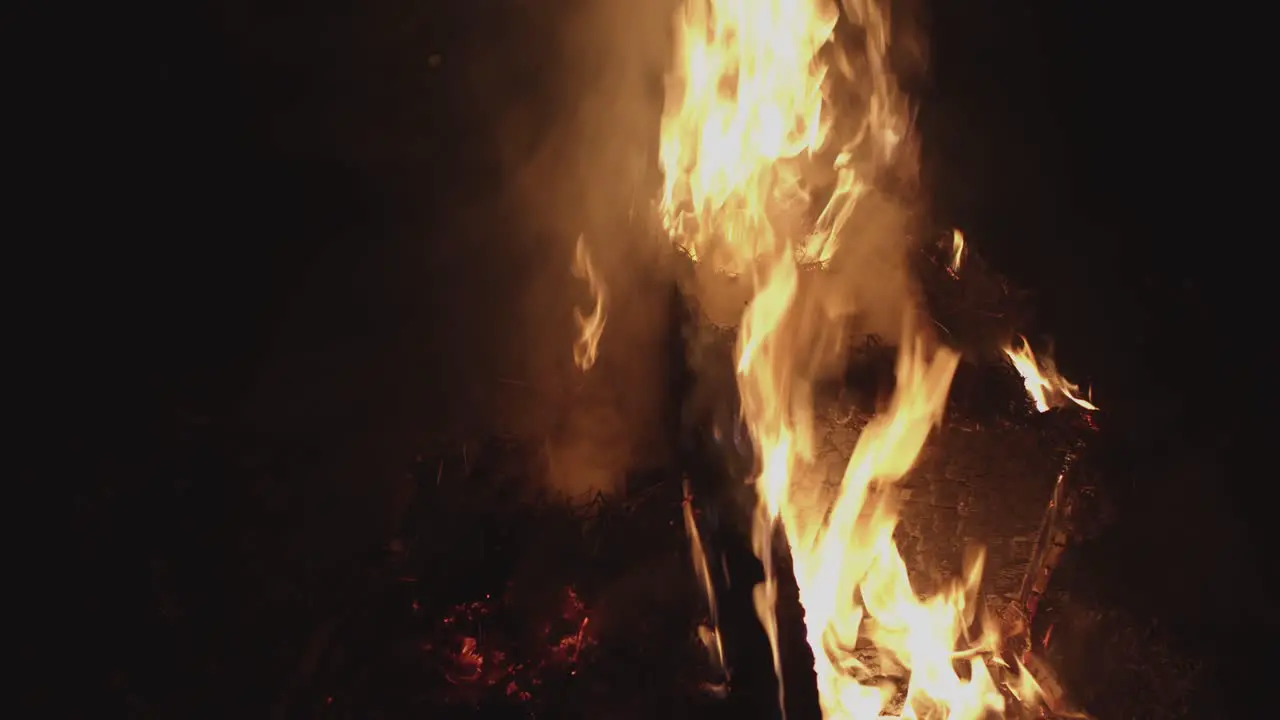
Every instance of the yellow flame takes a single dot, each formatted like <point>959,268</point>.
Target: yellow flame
<point>708,634</point>
<point>957,251</point>
<point>1024,686</point>
<point>749,121</point>
<point>590,327</point>
<point>1045,386</point>
<point>747,108</point>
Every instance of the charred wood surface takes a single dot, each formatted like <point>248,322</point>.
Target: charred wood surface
<point>970,488</point>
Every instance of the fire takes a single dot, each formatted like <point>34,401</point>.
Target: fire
<point>590,327</point>
<point>708,634</point>
<point>747,107</point>
<point>1045,386</point>
<point>749,120</point>
<point>957,252</point>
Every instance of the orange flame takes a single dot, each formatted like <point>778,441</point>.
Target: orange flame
<point>748,115</point>
<point>747,107</point>
<point>708,634</point>
<point>590,327</point>
<point>957,252</point>
<point>1045,386</point>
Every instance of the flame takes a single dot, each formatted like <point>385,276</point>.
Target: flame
<point>957,252</point>
<point>708,634</point>
<point>1045,386</point>
<point>590,327</point>
<point>1024,686</point>
<point>747,107</point>
<point>749,120</point>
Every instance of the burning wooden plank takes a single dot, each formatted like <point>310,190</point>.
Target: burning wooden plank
<point>982,480</point>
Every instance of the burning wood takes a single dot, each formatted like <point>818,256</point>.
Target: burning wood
<point>910,566</point>
<point>750,102</point>
<point>508,600</point>
<point>1045,386</point>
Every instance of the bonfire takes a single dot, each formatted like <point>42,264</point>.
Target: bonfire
<point>834,500</point>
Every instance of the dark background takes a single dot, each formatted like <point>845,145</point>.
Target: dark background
<point>338,266</point>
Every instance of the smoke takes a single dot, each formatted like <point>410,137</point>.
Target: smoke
<point>868,286</point>
<point>583,161</point>
<point>582,155</point>
<point>870,278</point>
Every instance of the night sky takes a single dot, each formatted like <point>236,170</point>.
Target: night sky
<point>337,263</point>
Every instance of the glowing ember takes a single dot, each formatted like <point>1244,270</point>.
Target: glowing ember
<point>468,663</point>
<point>476,657</point>
<point>590,327</point>
<point>748,117</point>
